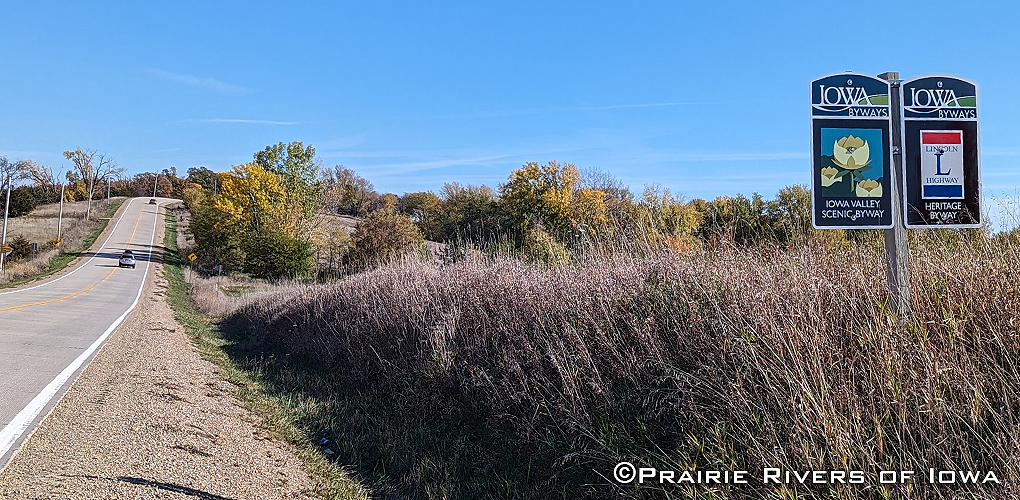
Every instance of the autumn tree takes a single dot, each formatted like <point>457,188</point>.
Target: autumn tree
<point>549,195</point>
<point>90,168</point>
<point>668,219</point>
<point>295,163</point>
<point>217,241</point>
<point>253,204</point>
<point>298,169</point>
<point>251,198</point>
<point>384,233</point>
<point>425,209</point>
<point>472,213</point>
<point>12,170</point>
<point>203,177</point>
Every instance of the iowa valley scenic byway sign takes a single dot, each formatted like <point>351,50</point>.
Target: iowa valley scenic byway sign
<point>850,159</point>
<point>940,161</point>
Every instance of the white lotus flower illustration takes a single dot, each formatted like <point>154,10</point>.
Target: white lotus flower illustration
<point>869,188</point>
<point>851,153</point>
<point>829,176</point>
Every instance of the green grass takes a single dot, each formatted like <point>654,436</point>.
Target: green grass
<point>61,261</point>
<point>212,343</point>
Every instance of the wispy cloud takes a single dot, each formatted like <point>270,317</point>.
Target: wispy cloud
<point>241,120</point>
<point>199,82</point>
<point>678,156</point>
<point>399,162</point>
<point>18,155</point>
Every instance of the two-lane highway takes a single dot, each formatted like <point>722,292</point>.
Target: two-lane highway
<point>49,331</point>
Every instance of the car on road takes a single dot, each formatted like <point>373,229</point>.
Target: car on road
<point>127,259</point>
<point>152,201</point>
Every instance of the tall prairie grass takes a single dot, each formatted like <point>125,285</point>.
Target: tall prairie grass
<point>496,378</point>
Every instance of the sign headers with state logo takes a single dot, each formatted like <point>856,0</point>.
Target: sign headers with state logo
<point>850,159</point>
<point>940,161</point>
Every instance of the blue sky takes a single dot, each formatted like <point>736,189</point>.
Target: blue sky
<point>705,98</point>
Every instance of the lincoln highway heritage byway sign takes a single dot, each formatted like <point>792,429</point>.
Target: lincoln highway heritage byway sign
<point>940,161</point>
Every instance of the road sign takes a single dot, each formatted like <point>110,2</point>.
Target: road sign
<point>7,248</point>
<point>940,153</point>
<point>850,159</point>
<point>192,257</point>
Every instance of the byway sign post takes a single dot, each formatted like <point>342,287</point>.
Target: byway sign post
<point>891,154</point>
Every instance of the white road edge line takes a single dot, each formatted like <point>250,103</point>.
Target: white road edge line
<point>87,261</point>
<point>10,434</point>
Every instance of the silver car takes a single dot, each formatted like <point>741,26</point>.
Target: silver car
<point>127,259</point>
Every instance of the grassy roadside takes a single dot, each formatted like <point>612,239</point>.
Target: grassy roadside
<point>211,343</point>
<point>61,261</point>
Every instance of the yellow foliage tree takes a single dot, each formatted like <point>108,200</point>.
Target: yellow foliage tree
<point>549,195</point>
<point>588,208</point>
<point>253,199</point>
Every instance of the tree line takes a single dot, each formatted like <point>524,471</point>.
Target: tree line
<point>283,214</point>
<point>91,176</point>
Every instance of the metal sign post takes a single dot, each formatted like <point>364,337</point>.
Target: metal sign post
<point>896,247</point>
<point>7,205</point>
<point>60,215</point>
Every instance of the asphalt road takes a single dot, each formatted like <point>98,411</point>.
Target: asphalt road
<point>50,331</point>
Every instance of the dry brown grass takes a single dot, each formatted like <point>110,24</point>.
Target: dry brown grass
<point>40,226</point>
<point>497,378</point>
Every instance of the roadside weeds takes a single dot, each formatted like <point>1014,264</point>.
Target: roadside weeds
<point>210,342</point>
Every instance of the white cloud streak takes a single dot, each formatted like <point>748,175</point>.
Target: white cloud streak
<point>199,82</point>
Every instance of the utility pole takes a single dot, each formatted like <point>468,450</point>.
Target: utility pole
<point>896,247</point>
<point>3,239</point>
<point>154,184</point>
<point>60,215</point>
<point>107,191</point>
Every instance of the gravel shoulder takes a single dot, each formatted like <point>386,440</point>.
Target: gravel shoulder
<point>149,418</point>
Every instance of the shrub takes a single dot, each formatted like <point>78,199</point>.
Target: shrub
<point>23,201</point>
<point>540,246</point>
<point>21,248</point>
<point>383,234</point>
<point>275,254</point>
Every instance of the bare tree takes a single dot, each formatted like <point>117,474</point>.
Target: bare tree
<point>346,192</point>
<point>13,170</point>
<point>43,177</point>
<point>92,168</point>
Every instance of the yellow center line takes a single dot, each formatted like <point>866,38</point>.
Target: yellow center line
<point>83,290</point>
<point>139,219</point>
<point>58,299</point>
